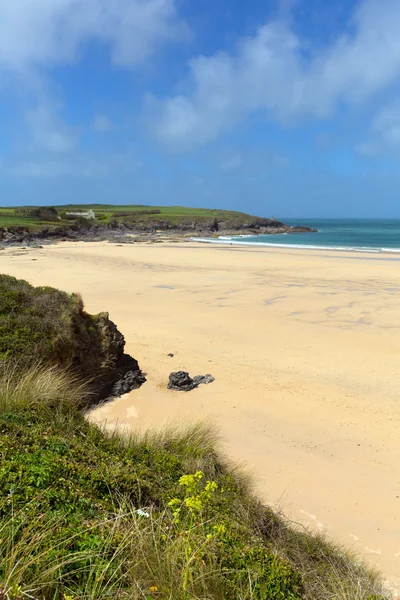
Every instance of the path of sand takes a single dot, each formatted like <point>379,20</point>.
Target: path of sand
<point>305,348</point>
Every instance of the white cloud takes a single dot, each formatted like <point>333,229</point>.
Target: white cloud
<point>232,162</point>
<point>48,131</point>
<point>51,169</point>
<point>38,34</point>
<point>384,137</point>
<point>35,164</point>
<point>387,124</point>
<point>46,32</point>
<point>101,124</point>
<point>269,72</point>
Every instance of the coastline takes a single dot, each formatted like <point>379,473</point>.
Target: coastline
<point>304,347</point>
<point>233,241</point>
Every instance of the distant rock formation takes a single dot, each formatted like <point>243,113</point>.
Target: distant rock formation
<point>17,236</point>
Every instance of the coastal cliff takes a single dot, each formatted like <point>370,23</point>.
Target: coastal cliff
<point>49,326</point>
<point>31,226</point>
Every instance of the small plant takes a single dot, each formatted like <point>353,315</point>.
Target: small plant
<point>197,499</point>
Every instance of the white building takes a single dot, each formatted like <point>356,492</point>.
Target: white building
<point>88,214</point>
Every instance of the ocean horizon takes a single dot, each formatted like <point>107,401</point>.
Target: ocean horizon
<point>358,235</point>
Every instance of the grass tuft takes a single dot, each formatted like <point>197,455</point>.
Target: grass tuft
<point>38,387</point>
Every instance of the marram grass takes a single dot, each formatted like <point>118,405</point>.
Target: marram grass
<point>89,515</point>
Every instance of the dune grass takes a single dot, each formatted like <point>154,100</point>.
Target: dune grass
<point>86,514</point>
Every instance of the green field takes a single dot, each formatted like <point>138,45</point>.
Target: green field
<point>165,211</point>
<point>105,213</point>
<point>9,219</point>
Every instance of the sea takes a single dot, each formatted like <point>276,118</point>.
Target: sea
<point>358,235</point>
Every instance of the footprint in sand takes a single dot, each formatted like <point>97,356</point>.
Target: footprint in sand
<point>131,412</point>
<point>313,518</point>
<point>371,551</point>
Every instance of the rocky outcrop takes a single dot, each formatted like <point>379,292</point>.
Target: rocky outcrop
<point>47,325</point>
<point>114,373</point>
<point>206,226</point>
<point>302,229</point>
<point>17,236</point>
<point>181,381</point>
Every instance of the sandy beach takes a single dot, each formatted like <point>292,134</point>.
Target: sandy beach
<point>305,349</point>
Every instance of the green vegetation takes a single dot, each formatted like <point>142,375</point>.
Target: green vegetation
<point>46,213</point>
<point>36,218</point>
<point>37,322</point>
<point>89,514</point>
<point>51,326</point>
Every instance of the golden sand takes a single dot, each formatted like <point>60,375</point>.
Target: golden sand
<point>305,348</point>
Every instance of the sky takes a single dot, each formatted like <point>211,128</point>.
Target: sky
<point>273,107</point>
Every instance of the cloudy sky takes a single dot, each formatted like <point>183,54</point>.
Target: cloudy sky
<point>276,107</point>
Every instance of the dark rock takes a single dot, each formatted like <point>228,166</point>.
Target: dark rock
<point>119,373</point>
<point>203,379</point>
<point>181,382</point>
<point>302,229</point>
<point>132,380</point>
<point>116,230</point>
<point>171,355</point>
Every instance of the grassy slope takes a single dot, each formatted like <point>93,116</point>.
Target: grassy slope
<point>9,219</point>
<point>69,526</point>
<point>86,514</point>
<point>171,213</point>
<point>42,323</point>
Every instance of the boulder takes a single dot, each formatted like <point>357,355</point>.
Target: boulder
<point>132,380</point>
<point>203,379</point>
<point>182,382</point>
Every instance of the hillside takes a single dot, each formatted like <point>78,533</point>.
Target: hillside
<point>86,514</point>
<point>49,326</point>
<point>66,221</point>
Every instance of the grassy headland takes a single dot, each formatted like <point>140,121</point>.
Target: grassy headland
<point>86,514</point>
<point>36,217</point>
<point>74,221</point>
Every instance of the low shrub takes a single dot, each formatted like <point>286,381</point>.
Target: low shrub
<point>67,217</point>
<point>46,213</point>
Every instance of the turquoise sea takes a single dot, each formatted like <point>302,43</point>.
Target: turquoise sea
<point>373,235</point>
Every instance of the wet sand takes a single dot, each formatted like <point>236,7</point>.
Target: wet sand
<point>305,348</point>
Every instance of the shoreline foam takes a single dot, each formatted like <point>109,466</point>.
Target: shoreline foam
<point>234,241</point>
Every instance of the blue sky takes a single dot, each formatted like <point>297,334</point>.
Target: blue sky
<point>285,108</point>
